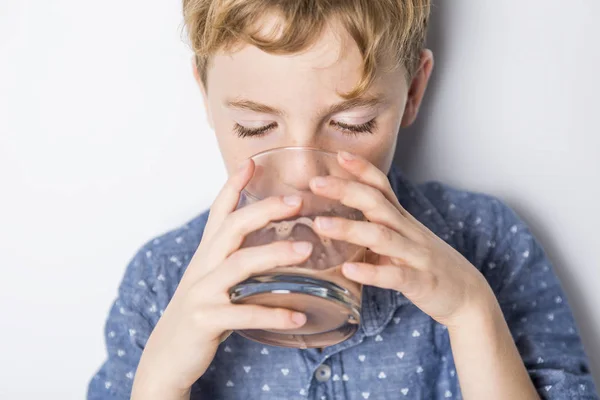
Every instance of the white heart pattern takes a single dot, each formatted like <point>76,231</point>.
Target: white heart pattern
<point>419,369</point>
<point>285,371</point>
<point>336,377</point>
<point>382,375</point>
<point>378,338</point>
<point>404,391</point>
<point>400,355</point>
<point>229,384</point>
<point>247,368</point>
<point>264,351</point>
<point>448,394</point>
<point>396,320</point>
<point>548,387</point>
<point>227,349</point>
<point>266,388</point>
<point>416,333</point>
<point>361,357</point>
<point>365,395</point>
<point>345,378</point>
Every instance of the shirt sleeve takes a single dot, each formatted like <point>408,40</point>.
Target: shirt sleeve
<point>130,321</point>
<point>537,311</point>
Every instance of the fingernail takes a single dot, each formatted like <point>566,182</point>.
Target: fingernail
<point>292,201</point>
<point>347,156</point>
<point>350,268</point>
<point>320,181</point>
<point>325,223</point>
<point>303,248</point>
<point>298,318</point>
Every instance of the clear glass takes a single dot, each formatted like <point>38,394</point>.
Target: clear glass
<point>316,287</point>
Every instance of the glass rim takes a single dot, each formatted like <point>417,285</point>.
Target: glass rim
<point>263,153</point>
<point>294,148</point>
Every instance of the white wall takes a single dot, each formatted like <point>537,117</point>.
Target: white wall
<point>513,111</point>
<point>103,144</point>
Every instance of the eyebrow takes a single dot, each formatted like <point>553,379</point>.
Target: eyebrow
<point>359,102</point>
<point>249,105</point>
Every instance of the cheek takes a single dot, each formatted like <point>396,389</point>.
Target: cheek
<point>378,149</point>
<point>234,149</point>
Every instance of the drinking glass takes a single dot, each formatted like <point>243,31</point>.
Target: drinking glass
<point>317,286</point>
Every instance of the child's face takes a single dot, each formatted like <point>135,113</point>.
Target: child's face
<point>294,100</point>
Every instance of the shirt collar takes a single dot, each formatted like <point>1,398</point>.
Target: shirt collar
<point>379,305</point>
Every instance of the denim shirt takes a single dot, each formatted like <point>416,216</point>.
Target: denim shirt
<point>399,351</point>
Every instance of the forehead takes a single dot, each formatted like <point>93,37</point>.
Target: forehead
<point>333,61</point>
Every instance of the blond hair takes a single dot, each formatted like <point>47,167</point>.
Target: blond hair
<point>382,29</point>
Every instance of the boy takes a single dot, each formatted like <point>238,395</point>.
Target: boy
<point>459,300</point>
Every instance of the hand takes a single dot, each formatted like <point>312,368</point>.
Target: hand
<point>200,314</point>
<point>408,257</point>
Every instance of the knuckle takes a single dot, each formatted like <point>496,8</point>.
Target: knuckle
<point>427,284</point>
<point>233,221</point>
<point>236,260</point>
<point>374,200</point>
<point>281,317</point>
<point>432,281</point>
<point>425,254</point>
<point>399,276</point>
<point>274,203</point>
<point>250,315</point>
<point>383,234</point>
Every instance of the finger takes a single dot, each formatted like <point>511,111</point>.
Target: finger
<point>253,260</point>
<point>229,196</point>
<point>225,336</point>
<point>242,316</point>
<point>367,173</point>
<point>414,284</point>
<point>379,238</point>
<point>243,221</point>
<point>369,200</point>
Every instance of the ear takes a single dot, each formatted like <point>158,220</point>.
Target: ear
<point>417,88</point>
<point>202,87</point>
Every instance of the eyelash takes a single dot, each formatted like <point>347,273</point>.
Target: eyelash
<point>257,132</point>
<point>367,127</point>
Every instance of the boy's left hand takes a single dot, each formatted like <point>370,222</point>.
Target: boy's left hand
<point>410,258</point>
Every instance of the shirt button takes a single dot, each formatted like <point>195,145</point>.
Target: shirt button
<point>323,373</point>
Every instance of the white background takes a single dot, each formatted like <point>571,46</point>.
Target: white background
<point>103,145</point>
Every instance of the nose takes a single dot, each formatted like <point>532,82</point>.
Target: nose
<point>289,170</point>
<point>298,167</point>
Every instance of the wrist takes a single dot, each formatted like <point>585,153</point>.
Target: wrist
<point>147,386</point>
<point>481,310</point>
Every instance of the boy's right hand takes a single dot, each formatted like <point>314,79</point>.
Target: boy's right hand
<point>200,314</point>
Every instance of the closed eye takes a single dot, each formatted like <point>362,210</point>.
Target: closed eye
<point>243,132</point>
<point>367,127</point>
<point>350,129</point>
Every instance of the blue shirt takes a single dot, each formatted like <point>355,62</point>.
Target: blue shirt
<point>398,352</point>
